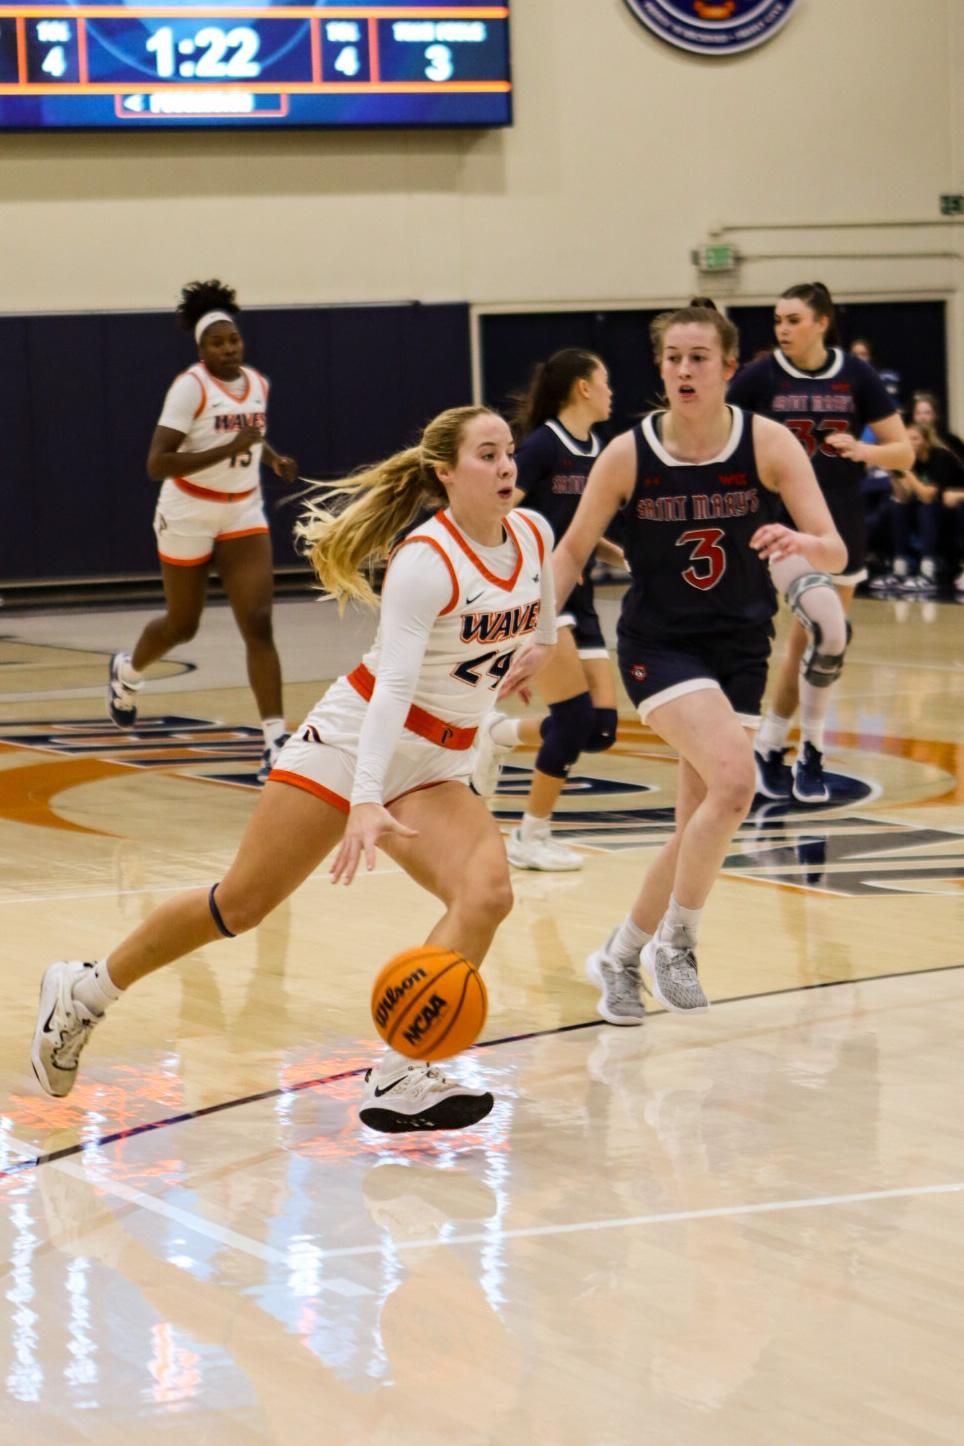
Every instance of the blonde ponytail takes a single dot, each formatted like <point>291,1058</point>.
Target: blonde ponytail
<point>341,543</point>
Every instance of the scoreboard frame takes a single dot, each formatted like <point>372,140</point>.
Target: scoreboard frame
<point>387,65</point>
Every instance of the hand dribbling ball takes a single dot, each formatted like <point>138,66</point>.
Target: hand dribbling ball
<point>429,1002</point>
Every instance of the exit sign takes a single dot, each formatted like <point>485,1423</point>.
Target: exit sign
<point>716,256</point>
<point>952,205</point>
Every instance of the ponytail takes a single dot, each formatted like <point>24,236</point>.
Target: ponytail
<point>550,388</point>
<point>383,500</point>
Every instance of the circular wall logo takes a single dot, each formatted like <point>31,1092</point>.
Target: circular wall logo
<point>713,27</point>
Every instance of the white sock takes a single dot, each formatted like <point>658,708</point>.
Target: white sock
<point>680,926</point>
<point>627,942</point>
<point>272,729</point>
<point>773,733</point>
<point>128,673</point>
<point>901,567</point>
<point>505,731</point>
<point>928,568</point>
<point>95,989</point>
<point>392,1063</point>
<point>533,828</point>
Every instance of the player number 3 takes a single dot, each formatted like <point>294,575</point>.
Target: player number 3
<point>707,551</point>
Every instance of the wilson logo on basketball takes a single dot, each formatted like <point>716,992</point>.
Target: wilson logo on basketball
<point>393,994</point>
<point>429,1002</point>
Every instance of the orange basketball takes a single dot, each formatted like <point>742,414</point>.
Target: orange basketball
<point>429,1003</point>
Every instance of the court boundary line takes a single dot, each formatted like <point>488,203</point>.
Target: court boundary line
<point>671,1217</point>
<point>300,1086</point>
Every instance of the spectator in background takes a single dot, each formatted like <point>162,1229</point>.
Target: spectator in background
<point>925,408</point>
<point>926,514</point>
<point>862,348</point>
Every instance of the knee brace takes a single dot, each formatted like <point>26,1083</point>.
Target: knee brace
<point>603,733</point>
<point>815,604</point>
<point>565,734</point>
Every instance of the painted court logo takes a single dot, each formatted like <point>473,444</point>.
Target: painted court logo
<point>713,27</point>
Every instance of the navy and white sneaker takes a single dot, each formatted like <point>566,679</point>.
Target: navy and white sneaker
<point>773,779</point>
<point>121,696</point>
<point>809,783</point>
<point>420,1098</point>
<point>270,756</point>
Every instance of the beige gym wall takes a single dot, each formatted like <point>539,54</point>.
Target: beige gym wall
<point>625,155</point>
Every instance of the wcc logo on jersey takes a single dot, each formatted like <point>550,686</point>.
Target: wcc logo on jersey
<point>713,27</point>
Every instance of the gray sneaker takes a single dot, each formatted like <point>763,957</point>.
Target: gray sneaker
<point>619,987</point>
<point>673,977</point>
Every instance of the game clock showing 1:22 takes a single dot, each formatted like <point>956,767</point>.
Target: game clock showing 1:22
<point>144,66</point>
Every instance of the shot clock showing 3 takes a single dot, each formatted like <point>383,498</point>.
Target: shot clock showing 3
<point>216,64</point>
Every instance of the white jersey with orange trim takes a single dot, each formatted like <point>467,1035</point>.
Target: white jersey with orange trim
<point>209,412</point>
<point>452,615</point>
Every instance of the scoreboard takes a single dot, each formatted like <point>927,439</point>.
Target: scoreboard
<point>186,65</point>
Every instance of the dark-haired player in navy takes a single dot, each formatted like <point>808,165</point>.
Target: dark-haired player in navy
<point>567,396</point>
<point>699,485</point>
<point>827,397</point>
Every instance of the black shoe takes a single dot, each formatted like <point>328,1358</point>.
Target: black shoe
<point>773,778</point>
<point>121,696</point>
<point>809,783</point>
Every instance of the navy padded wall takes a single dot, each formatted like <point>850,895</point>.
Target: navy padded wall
<point>21,546</point>
<point>70,432</point>
<point>83,394</point>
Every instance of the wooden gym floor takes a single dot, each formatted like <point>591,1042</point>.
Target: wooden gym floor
<point>741,1228</point>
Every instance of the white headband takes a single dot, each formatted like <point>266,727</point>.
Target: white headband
<point>208,319</point>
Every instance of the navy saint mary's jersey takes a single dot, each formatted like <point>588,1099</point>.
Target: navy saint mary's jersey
<point>687,530</point>
<point>845,395</point>
<point>554,468</point>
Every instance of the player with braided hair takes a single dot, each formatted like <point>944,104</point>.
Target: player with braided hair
<point>206,452</point>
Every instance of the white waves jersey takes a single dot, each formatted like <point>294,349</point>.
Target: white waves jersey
<point>475,635</point>
<point>209,412</point>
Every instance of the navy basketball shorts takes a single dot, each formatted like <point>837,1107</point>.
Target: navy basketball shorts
<point>580,615</point>
<point>657,671</point>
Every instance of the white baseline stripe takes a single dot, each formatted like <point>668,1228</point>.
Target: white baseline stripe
<point>674,1217</point>
<point>186,1218</point>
